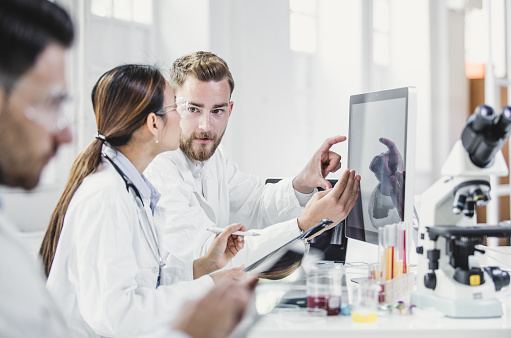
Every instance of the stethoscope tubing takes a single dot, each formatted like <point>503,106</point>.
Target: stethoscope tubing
<point>143,218</point>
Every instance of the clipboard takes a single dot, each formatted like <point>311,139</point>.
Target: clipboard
<point>283,261</point>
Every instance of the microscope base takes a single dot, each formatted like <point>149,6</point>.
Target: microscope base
<point>459,308</point>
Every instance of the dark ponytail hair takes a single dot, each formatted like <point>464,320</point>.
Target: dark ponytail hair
<point>122,99</point>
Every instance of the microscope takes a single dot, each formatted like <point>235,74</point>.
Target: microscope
<point>450,277</point>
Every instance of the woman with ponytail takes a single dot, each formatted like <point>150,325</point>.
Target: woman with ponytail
<point>101,251</point>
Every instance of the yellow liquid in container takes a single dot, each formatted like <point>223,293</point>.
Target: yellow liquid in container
<point>364,317</point>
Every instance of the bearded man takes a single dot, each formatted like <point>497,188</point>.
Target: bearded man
<point>201,188</point>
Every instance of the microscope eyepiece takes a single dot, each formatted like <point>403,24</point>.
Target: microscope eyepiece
<point>485,133</point>
<point>503,124</point>
<point>506,111</point>
<point>482,118</point>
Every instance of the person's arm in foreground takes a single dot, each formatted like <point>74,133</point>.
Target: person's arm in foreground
<point>217,313</point>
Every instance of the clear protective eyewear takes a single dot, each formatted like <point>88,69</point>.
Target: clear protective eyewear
<point>218,111</point>
<point>180,105</point>
<point>52,114</point>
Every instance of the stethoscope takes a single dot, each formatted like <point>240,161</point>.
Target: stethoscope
<point>144,220</point>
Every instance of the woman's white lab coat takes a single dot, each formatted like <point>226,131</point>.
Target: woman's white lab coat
<point>104,271</point>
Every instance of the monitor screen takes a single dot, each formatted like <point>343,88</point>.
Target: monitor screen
<point>381,148</point>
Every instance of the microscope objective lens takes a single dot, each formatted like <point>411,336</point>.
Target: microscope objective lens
<point>459,204</point>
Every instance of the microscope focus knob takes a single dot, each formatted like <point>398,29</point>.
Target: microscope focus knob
<point>500,277</point>
<point>430,280</point>
<point>433,257</point>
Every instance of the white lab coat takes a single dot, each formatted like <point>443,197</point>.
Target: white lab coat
<point>104,272</point>
<point>230,196</point>
<point>26,307</point>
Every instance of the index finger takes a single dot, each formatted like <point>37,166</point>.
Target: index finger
<point>390,145</point>
<point>331,141</point>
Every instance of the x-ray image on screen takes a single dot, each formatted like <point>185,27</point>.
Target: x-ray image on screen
<point>377,151</point>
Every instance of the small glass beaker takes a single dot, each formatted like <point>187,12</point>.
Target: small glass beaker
<point>324,288</point>
<point>364,301</point>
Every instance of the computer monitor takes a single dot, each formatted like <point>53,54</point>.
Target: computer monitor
<point>381,148</point>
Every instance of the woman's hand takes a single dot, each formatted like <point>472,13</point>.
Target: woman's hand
<point>222,251</point>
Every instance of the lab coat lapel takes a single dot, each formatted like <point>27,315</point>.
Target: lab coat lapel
<point>211,192</point>
<point>148,233</point>
<point>159,220</point>
<point>187,175</point>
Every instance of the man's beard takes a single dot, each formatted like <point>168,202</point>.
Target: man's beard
<point>202,153</point>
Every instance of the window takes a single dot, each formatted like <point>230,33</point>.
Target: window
<point>140,11</point>
<point>303,25</point>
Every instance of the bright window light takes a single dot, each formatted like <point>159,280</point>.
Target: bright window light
<point>381,12</point>
<point>101,8</point>
<point>303,33</point>
<point>143,11</point>
<point>140,11</point>
<point>302,23</point>
<point>122,9</point>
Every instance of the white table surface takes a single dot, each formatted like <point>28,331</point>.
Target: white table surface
<point>422,323</point>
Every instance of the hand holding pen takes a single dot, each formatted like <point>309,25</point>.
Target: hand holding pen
<point>223,249</point>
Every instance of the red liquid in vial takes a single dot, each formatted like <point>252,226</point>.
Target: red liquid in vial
<point>332,304</point>
<point>381,294</point>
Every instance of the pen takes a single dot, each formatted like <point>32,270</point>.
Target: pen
<point>240,233</point>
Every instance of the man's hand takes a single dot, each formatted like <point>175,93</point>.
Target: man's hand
<point>322,163</point>
<point>224,248</point>
<point>334,204</point>
<point>217,313</point>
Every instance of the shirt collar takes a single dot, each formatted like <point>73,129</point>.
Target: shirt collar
<point>145,188</point>
<point>197,168</point>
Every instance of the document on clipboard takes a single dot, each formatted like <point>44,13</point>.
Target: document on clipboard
<point>283,261</point>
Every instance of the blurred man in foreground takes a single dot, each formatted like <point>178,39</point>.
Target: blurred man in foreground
<point>35,35</point>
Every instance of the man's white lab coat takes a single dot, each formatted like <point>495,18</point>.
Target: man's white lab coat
<point>104,271</point>
<point>228,196</point>
<point>26,307</point>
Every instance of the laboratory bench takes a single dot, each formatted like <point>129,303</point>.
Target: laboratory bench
<point>421,323</point>
<point>427,323</point>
